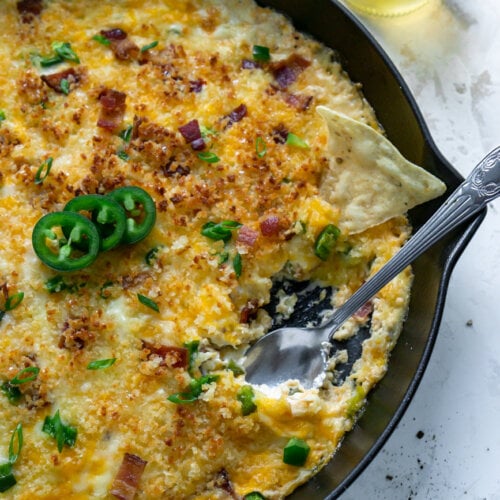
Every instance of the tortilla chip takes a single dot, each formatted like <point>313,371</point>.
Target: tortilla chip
<point>368,179</point>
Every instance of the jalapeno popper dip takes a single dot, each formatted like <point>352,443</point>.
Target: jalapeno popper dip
<point>161,164</point>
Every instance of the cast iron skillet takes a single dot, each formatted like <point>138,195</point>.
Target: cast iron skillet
<point>366,63</point>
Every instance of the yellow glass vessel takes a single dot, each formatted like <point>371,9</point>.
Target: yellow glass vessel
<point>386,7</point>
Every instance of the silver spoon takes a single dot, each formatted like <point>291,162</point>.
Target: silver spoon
<point>299,353</point>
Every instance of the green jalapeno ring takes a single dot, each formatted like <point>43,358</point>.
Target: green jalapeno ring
<point>140,212</point>
<point>107,215</point>
<point>83,240</point>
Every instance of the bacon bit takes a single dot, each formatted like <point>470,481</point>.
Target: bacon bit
<point>247,236</point>
<point>364,311</point>
<point>301,102</point>
<point>127,479</point>
<point>114,34</point>
<point>249,64</point>
<point>249,311</point>
<point>173,356</point>
<point>271,226</point>
<point>179,171</point>
<point>222,482</point>
<point>123,48</point>
<point>285,72</point>
<point>29,9</point>
<point>75,334</point>
<point>112,110</point>
<point>279,134</point>
<point>192,133</point>
<point>196,86</point>
<point>54,80</point>
<point>237,114</point>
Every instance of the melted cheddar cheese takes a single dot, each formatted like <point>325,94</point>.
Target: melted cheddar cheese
<point>201,69</point>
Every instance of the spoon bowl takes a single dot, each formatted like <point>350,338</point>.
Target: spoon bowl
<point>302,353</point>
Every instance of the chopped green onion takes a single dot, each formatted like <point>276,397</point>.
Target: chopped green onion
<point>65,52</point>
<point>261,53</point>
<point>12,392</point>
<point>65,86</point>
<point>246,397</point>
<point>220,230</point>
<point>101,364</point>
<point>126,134</point>
<point>148,302</point>
<point>63,434</point>
<point>7,479</point>
<point>295,140</point>
<point>194,390</point>
<point>260,147</point>
<point>13,301</point>
<point>122,155</point>
<point>325,241</point>
<point>45,61</point>
<point>152,255</point>
<point>102,292</point>
<point>151,45</point>
<point>296,452</point>
<point>55,284</point>
<point>223,258</point>
<point>235,368</point>
<point>18,433</point>
<point>208,156</point>
<point>43,170</point>
<point>207,131</point>
<point>2,115</point>
<point>192,348</point>
<point>101,39</point>
<point>254,495</point>
<point>20,378</point>
<point>237,265</point>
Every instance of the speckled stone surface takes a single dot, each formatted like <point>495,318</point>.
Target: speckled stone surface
<point>447,445</point>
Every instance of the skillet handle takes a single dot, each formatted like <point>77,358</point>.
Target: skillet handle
<point>480,187</point>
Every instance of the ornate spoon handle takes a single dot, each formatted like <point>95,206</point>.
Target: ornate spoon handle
<point>480,187</point>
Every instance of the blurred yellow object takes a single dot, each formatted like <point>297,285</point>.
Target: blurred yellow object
<point>386,7</point>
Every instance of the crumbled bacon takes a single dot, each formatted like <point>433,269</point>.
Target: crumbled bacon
<point>237,114</point>
<point>123,48</point>
<point>196,86</point>
<point>112,109</point>
<point>127,479</point>
<point>114,34</point>
<point>364,311</point>
<point>247,236</point>
<point>223,482</point>
<point>285,72</point>
<point>75,334</point>
<point>270,226</point>
<point>173,356</point>
<point>249,64</point>
<point>279,134</point>
<point>249,311</point>
<point>192,133</point>
<point>54,80</point>
<point>301,102</point>
<point>29,9</point>
<point>178,170</point>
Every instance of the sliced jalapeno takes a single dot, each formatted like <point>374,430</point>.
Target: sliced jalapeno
<point>107,215</point>
<point>140,212</point>
<point>65,253</point>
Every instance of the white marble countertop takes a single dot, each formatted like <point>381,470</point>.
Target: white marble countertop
<point>447,446</point>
